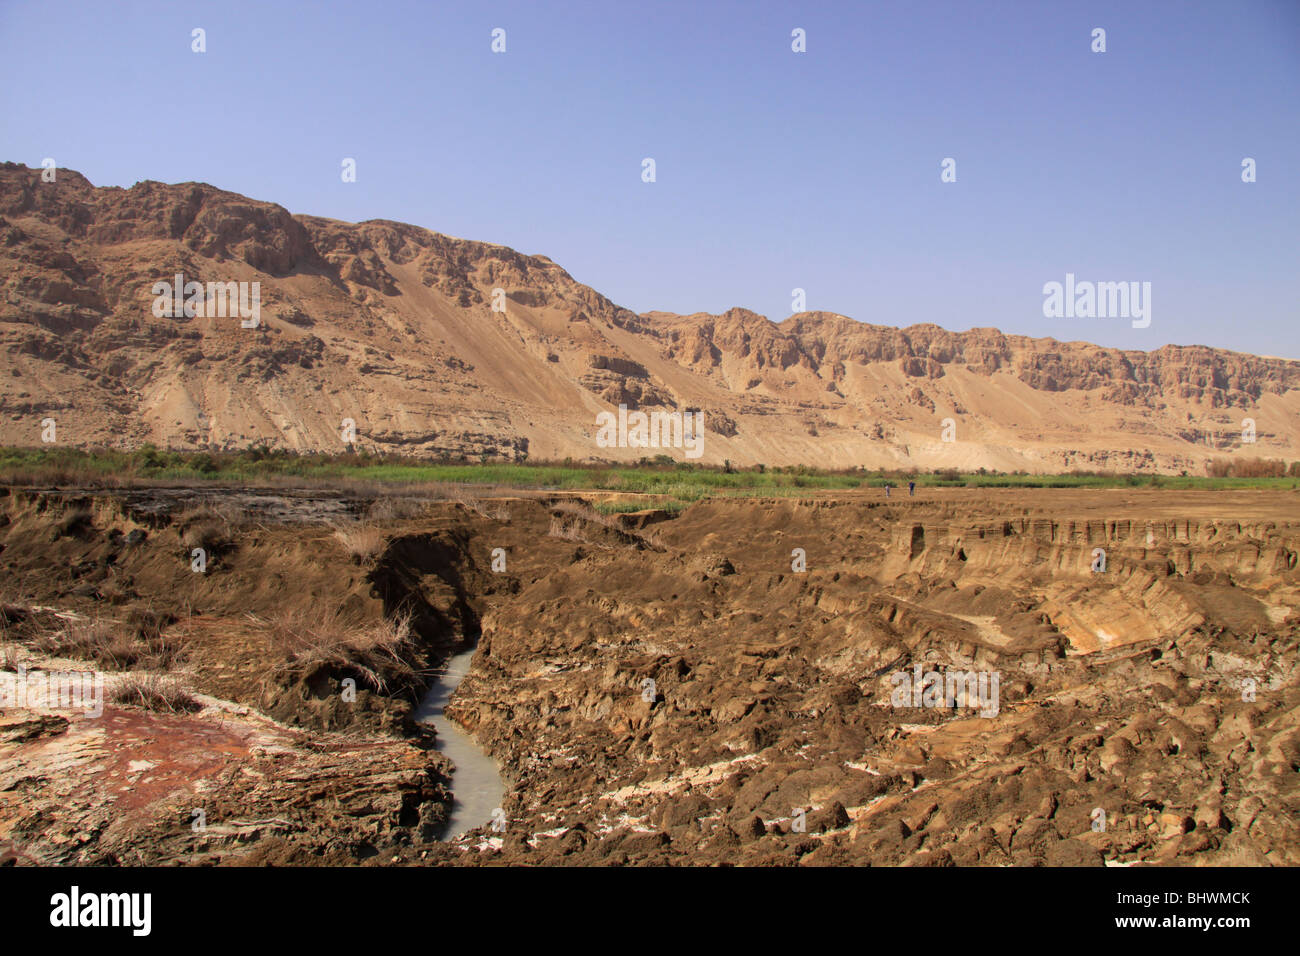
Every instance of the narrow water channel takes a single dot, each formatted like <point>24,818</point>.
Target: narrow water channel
<point>476,784</point>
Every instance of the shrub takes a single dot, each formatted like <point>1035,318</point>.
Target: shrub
<point>1246,468</point>
<point>209,535</point>
<point>389,508</point>
<point>92,640</point>
<point>210,526</point>
<point>156,693</point>
<point>361,542</point>
<point>377,651</point>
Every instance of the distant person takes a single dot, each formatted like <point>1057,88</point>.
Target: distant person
<point>886,491</point>
<point>911,488</point>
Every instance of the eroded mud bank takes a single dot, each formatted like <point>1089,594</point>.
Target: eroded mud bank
<point>715,687</point>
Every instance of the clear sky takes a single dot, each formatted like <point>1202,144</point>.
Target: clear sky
<point>775,169</point>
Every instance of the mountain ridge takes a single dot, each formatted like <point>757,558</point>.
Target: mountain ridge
<point>392,326</point>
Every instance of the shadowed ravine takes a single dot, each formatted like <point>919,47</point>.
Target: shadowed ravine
<point>476,784</point>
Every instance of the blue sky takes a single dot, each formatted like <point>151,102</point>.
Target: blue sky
<point>775,170</point>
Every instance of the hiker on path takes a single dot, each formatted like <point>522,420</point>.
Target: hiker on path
<point>911,488</point>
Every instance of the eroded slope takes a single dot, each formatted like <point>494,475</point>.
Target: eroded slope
<point>678,690</point>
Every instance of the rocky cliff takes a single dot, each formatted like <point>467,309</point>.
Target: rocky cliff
<point>439,346</point>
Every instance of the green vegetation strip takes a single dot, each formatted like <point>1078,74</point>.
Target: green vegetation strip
<point>677,484</point>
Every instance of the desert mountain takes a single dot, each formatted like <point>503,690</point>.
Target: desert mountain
<point>393,327</point>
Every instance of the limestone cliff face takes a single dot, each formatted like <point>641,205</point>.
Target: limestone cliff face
<point>435,345</point>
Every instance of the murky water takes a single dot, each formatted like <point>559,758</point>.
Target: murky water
<point>476,783</point>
